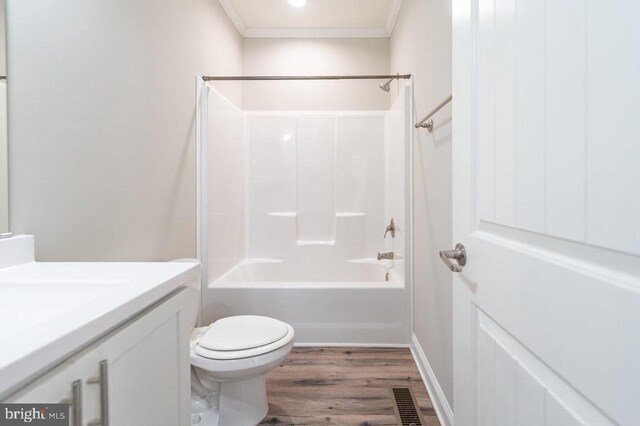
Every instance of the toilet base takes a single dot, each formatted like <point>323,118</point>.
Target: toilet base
<point>207,418</point>
<point>240,403</point>
<point>243,402</point>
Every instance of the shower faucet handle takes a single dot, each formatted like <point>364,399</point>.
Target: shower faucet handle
<point>391,227</point>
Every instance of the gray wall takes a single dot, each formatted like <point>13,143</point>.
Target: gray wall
<point>4,173</point>
<point>421,45</point>
<point>102,126</point>
<point>3,34</point>
<point>315,57</point>
<point>102,134</point>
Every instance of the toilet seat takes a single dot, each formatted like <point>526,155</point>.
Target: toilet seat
<point>242,336</point>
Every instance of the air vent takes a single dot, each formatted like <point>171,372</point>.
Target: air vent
<point>407,410</point>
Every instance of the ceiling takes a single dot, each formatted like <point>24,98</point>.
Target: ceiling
<point>317,19</point>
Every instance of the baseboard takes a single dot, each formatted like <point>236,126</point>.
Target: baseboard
<point>351,345</point>
<point>440,403</point>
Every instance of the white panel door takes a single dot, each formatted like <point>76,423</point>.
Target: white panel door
<point>547,202</point>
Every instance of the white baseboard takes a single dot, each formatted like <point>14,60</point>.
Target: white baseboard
<point>351,345</point>
<point>440,403</point>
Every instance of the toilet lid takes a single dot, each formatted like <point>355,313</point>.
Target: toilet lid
<point>242,332</point>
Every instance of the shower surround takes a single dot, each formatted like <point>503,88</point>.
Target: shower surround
<point>315,187</point>
<point>296,204</point>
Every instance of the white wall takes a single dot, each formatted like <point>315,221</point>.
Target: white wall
<point>316,186</point>
<point>421,45</point>
<point>315,57</point>
<point>102,126</point>
<point>226,182</point>
<point>396,172</point>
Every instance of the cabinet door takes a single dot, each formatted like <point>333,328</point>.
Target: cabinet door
<point>147,371</point>
<point>67,383</point>
<point>144,382</point>
<point>149,366</point>
<point>53,387</point>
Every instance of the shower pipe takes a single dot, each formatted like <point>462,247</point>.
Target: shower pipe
<point>306,77</point>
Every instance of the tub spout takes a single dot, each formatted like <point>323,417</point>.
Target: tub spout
<point>388,255</point>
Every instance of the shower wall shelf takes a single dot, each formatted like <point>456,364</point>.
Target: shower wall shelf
<point>315,243</point>
<point>283,214</point>
<point>338,214</point>
<point>350,214</point>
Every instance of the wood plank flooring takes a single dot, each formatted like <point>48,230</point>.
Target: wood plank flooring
<point>343,386</point>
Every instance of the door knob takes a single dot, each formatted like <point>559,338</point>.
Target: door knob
<point>459,254</point>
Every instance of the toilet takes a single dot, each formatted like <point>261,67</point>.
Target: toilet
<point>229,360</point>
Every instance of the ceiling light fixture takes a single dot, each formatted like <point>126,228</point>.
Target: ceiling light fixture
<point>298,3</point>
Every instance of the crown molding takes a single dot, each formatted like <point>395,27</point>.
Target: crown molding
<point>236,19</point>
<point>315,33</point>
<point>392,17</point>
<point>233,15</point>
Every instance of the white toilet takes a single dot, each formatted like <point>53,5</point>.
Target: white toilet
<point>229,360</point>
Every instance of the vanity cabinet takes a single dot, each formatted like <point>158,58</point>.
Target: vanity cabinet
<point>138,374</point>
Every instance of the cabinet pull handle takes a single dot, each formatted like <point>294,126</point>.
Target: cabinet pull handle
<point>76,402</point>
<point>103,380</point>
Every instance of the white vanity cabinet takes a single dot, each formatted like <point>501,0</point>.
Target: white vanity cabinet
<point>138,374</point>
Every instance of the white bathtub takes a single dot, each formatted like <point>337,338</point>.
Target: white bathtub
<point>346,303</point>
<point>273,270</point>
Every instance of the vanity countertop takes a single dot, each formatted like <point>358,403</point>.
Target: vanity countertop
<point>48,311</point>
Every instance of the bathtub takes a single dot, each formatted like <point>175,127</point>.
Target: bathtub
<point>361,302</point>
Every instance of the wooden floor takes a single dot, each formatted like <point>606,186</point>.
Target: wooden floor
<point>343,386</point>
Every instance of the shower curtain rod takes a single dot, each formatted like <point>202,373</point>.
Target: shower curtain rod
<point>306,77</point>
